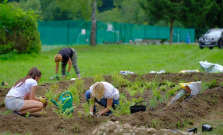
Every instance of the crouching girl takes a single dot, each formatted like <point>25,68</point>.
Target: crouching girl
<point>22,96</point>
<point>104,94</point>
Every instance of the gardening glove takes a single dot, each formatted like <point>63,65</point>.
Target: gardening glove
<point>67,73</point>
<point>43,100</point>
<point>56,77</point>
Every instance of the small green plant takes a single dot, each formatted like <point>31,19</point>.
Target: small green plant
<point>119,80</point>
<point>52,93</point>
<point>98,78</point>
<point>173,90</point>
<point>148,85</point>
<point>178,125</point>
<point>212,84</point>
<point>166,97</point>
<point>123,107</point>
<point>156,94</point>
<point>5,112</point>
<point>77,90</point>
<point>141,90</point>
<point>136,100</point>
<point>154,84</point>
<point>153,103</point>
<point>87,105</point>
<point>61,113</point>
<point>169,84</point>
<point>27,114</point>
<point>131,91</point>
<point>163,87</point>
<point>155,123</point>
<point>79,114</point>
<point>204,86</point>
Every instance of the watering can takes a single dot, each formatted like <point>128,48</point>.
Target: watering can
<point>66,101</point>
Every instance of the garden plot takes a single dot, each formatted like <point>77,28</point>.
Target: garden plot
<point>156,89</point>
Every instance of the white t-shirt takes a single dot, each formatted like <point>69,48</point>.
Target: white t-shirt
<point>22,90</point>
<point>110,91</point>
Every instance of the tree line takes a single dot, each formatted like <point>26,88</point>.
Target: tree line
<point>198,14</point>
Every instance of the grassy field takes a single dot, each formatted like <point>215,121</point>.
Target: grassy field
<point>110,59</point>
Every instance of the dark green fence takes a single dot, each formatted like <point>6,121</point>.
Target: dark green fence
<point>78,32</point>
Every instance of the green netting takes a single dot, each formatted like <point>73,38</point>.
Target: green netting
<point>78,32</point>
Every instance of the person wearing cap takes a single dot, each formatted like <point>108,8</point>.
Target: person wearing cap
<point>66,55</point>
<point>104,94</point>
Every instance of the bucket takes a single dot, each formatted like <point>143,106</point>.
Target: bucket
<point>137,108</point>
<point>206,127</point>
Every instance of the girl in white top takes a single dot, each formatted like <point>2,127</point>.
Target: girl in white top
<point>21,97</point>
<point>105,94</point>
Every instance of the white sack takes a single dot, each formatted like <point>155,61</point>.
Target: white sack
<point>210,67</point>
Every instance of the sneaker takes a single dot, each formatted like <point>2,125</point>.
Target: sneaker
<point>15,112</point>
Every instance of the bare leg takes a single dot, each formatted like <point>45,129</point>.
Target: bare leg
<point>31,106</point>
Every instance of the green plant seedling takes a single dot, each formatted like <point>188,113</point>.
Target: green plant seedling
<point>169,84</point>
<point>98,78</point>
<point>77,89</point>
<point>119,80</point>
<point>122,108</point>
<point>27,114</point>
<point>163,87</point>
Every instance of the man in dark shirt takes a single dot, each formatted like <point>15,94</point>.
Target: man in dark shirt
<point>66,55</point>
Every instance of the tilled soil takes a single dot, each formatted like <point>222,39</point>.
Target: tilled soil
<point>175,116</point>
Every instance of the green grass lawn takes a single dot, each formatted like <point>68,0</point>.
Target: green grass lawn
<point>110,59</point>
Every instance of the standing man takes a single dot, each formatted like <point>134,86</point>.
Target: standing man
<point>66,55</point>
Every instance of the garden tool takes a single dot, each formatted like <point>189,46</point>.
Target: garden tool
<point>65,100</point>
<point>56,78</point>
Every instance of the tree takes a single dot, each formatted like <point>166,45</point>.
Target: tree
<point>81,9</point>
<point>202,15</point>
<point>34,5</point>
<point>93,23</point>
<point>125,11</point>
<point>52,11</point>
<point>168,10</point>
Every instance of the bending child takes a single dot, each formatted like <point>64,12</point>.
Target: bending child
<point>66,55</point>
<point>104,94</point>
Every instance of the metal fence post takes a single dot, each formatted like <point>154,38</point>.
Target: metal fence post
<point>68,32</point>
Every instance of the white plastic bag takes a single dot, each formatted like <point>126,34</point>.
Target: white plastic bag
<point>126,72</point>
<point>210,67</point>
<point>195,87</point>
<point>158,72</point>
<point>188,90</point>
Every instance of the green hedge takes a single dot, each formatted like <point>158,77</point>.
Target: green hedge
<point>18,30</point>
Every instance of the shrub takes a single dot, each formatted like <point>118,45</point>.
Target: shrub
<point>18,30</point>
